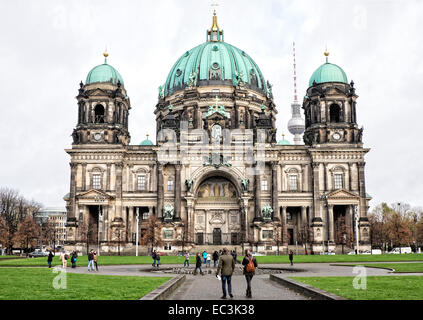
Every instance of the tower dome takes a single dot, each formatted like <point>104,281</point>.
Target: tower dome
<point>104,73</point>
<point>328,72</point>
<point>146,142</point>
<point>214,62</point>
<point>283,142</point>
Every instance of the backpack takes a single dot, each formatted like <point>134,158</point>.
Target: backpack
<point>250,268</point>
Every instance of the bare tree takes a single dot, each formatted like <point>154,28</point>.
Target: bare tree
<point>85,233</point>
<point>152,236</point>
<point>343,235</point>
<point>186,235</point>
<point>27,233</point>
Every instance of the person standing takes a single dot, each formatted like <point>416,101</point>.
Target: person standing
<point>291,257</point>
<point>74,255</point>
<point>215,258</point>
<point>50,258</point>
<point>186,262</point>
<point>250,265</point>
<point>91,260</point>
<point>95,258</point>
<point>208,260</point>
<point>154,256</point>
<point>226,267</point>
<point>205,257</point>
<point>198,264</point>
<point>64,257</point>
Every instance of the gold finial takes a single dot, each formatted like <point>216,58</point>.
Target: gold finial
<point>283,136</point>
<point>326,53</point>
<point>147,135</point>
<point>105,54</point>
<point>214,26</point>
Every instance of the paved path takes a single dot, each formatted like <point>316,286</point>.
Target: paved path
<point>208,287</point>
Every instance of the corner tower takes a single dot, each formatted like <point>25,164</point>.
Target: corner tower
<point>103,108</point>
<point>330,108</point>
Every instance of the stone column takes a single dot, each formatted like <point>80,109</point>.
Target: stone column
<point>190,218</point>
<point>325,176</point>
<point>331,227</point>
<point>160,191</point>
<point>304,178</point>
<point>119,168</point>
<point>177,191</point>
<point>257,196</point>
<point>284,227</point>
<point>316,190</point>
<point>84,176</point>
<point>108,176</point>
<point>275,204</point>
<point>72,194</point>
<point>362,189</point>
<point>350,176</point>
<point>304,216</point>
<point>130,222</point>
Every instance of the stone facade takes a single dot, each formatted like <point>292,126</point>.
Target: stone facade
<point>216,176</point>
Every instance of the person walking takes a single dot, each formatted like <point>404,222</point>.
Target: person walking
<point>91,260</point>
<point>74,255</point>
<point>291,257</point>
<point>198,264</point>
<point>226,267</point>
<point>50,258</point>
<point>205,257</point>
<point>158,259</point>
<point>186,262</point>
<point>95,258</point>
<point>154,256</point>
<point>250,265</point>
<point>215,258</point>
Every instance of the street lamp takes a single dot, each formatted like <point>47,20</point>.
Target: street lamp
<point>136,237</point>
<point>99,199</point>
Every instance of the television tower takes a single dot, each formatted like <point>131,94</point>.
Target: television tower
<point>296,124</point>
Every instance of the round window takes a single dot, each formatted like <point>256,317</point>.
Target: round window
<point>215,65</point>
<point>178,72</point>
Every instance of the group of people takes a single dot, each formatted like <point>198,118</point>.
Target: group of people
<point>156,258</point>
<point>226,268</point>
<point>64,257</point>
<point>92,260</point>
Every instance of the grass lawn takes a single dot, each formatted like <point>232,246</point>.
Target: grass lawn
<point>37,284</point>
<point>340,258</point>
<point>116,260</point>
<point>378,287</point>
<point>398,267</point>
<point>9,257</point>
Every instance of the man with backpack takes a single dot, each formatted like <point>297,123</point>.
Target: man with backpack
<point>250,265</point>
<point>154,256</point>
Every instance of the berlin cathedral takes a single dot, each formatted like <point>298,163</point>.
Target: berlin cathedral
<point>217,175</point>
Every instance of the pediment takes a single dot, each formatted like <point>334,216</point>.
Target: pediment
<point>92,193</point>
<point>342,194</point>
<point>98,92</point>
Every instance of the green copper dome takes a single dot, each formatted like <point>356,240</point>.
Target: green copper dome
<point>104,73</point>
<point>147,142</point>
<point>283,142</point>
<point>214,62</point>
<point>328,72</point>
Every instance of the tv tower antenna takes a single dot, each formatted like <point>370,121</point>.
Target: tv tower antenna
<point>296,124</point>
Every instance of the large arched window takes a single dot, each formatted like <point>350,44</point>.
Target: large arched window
<point>99,113</point>
<point>335,113</point>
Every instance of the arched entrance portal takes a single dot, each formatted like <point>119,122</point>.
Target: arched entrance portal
<point>217,214</point>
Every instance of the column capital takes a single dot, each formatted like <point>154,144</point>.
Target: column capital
<point>315,165</point>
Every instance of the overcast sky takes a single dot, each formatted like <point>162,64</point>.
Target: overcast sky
<point>48,47</point>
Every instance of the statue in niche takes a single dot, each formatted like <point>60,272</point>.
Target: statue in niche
<point>189,183</point>
<point>216,133</point>
<point>226,191</point>
<point>245,183</point>
<point>168,212</point>
<point>266,211</point>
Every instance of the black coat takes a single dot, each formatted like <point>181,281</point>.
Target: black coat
<point>245,261</point>
<point>50,257</point>
<point>198,261</point>
<point>90,256</point>
<point>215,256</point>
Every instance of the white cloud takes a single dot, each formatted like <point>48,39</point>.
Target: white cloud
<point>49,46</point>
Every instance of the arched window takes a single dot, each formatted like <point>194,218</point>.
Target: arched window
<point>335,113</point>
<point>99,113</point>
